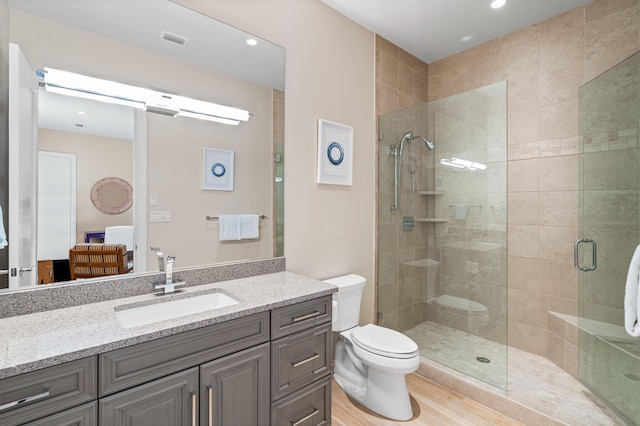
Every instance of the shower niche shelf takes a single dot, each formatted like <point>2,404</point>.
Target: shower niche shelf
<point>430,192</point>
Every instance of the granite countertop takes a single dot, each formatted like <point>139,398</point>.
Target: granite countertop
<point>42,339</point>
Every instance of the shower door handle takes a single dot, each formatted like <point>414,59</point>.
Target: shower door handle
<point>576,250</point>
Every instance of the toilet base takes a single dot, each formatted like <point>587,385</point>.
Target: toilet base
<point>396,404</point>
<point>383,392</point>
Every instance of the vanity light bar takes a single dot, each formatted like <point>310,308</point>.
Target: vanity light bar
<point>82,86</point>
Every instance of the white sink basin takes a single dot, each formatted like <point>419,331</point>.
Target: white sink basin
<point>138,315</point>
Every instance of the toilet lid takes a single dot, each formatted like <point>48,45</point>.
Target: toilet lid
<point>384,341</point>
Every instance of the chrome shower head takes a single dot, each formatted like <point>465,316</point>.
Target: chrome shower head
<point>430,145</point>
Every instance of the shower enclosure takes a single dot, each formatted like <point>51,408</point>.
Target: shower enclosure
<point>609,358</point>
<point>442,218</point>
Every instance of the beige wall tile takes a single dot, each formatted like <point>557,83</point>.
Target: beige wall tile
<point>559,173</point>
<point>559,208</point>
<point>524,126</point>
<point>523,241</point>
<point>523,176</point>
<point>559,120</point>
<point>556,242</point>
<point>561,85</point>
<point>524,208</point>
<point>610,39</point>
<point>560,24</point>
<point>524,273</point>
<point>598,9</point>
<point>388,71</point>
<point>562,50</point>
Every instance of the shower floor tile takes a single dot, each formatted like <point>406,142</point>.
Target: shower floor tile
<point>538,391</point>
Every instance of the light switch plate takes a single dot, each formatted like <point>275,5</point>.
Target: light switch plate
<point>160,216</point>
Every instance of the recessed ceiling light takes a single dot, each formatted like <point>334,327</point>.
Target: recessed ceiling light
<point>497,4</point>
<point>252,42</point>
<point>81,112</point>
<point>466,38</point>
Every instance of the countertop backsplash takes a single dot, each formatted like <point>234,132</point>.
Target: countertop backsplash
<point>81,292</point>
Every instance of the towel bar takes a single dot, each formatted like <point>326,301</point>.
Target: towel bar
<point>262,216</point>
<point>451,206</point>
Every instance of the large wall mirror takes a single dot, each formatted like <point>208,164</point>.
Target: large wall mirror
<point>85,146</point>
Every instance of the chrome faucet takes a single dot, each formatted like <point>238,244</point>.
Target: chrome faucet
<point>169,285</point>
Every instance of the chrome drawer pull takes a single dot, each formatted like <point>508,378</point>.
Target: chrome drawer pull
<point>315,411</point>
<point>304,317</point>
<point>210,405</point>
<point>193,409</point>
<point>304,361</point>
<point>23,400</point>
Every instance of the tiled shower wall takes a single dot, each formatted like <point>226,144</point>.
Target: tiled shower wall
<point>544,65</point>
<point>401,82</point>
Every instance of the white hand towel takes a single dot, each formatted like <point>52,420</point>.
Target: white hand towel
<point>250,226</point>
<point>3,234</point>
<point>230,227</point>
<point>460,211</point>
<point>631,303</point>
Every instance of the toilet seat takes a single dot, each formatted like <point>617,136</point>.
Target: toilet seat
<point>385,342</point>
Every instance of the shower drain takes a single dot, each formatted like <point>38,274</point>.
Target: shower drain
<point>483,359</point>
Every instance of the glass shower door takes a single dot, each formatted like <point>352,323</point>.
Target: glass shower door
<point>609,358</point>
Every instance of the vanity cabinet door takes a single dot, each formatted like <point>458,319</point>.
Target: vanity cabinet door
<point>234,390</point>
<point>169,401</point>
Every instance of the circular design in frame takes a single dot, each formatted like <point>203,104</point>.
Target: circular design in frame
<point>112,195</point>
<point>335,153</point>
<point>218,169</point>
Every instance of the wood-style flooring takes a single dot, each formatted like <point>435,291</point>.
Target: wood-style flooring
<point>432,404</point>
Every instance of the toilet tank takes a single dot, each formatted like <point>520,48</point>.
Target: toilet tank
<point>346,301</point>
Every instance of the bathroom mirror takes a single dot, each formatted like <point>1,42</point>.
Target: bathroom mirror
<point>160,45</point>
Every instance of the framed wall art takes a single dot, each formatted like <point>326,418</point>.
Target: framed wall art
<point>218,170</point>
<point>335,153</point>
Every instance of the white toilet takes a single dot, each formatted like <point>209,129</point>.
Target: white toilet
<point>370,361</point>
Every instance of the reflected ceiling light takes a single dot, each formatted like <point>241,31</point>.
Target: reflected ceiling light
<point>462,164</point>
<point>252,42</point>
<point>81,112</point>
<point>78,85</point>
<point>497,4</point>
<point>466,38</point>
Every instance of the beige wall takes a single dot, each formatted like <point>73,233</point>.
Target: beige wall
<point>97,157</point>
<point>329,74</point>
<point>175,145</point>
<point>544,65</point>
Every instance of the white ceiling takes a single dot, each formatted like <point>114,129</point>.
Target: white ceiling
<point>434,29</point>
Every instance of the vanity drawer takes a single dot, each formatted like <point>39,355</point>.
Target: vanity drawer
<point>134,365</point>
<point>291,319</point>
<point>300,359</point>
<point>309,406</point>
<point>37,394</point>
<point>84,415</point>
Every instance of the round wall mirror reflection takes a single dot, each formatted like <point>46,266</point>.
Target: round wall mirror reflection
<point>112,195</point>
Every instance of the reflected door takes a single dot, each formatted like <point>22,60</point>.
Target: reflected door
<point>23,152</point>
<point>609,358</point>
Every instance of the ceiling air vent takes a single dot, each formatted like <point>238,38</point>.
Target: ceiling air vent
<point>174,38</point>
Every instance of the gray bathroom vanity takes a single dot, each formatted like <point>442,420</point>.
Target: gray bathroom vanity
<point>263,360</point>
